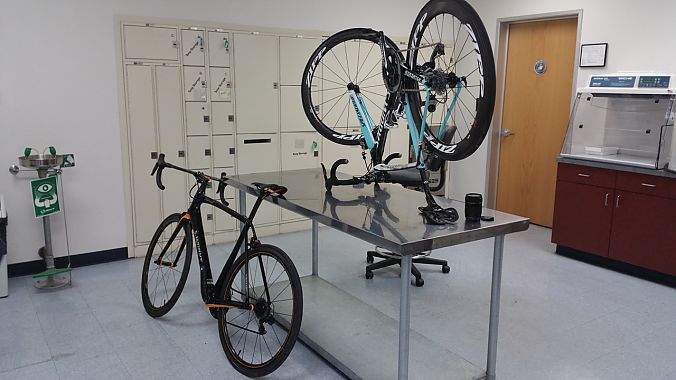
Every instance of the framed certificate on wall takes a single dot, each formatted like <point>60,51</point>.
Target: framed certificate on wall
<point>593,55</point>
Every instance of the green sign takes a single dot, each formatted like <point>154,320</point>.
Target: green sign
<point>68,160</point>
<point>45,197</point>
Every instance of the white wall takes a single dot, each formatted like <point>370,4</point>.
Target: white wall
<point>639,34</point>
<point>58,86</point>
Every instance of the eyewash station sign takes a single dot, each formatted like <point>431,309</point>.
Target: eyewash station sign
<point>45,196</point>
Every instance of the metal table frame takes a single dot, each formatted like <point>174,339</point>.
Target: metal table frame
<point>405,284</point>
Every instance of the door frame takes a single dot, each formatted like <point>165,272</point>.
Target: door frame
<point>501,45</point>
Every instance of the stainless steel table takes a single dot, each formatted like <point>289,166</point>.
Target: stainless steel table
<point>388,217</point>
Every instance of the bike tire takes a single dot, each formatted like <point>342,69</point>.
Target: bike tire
<point>476,37</point>
<point>340,75</point>
<point>237,355</point>
<point>153,271</point>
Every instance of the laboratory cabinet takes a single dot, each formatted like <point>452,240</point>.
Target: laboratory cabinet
<point>624,216</point>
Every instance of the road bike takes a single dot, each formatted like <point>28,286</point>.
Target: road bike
<point>444,88</point>
<point>257,298</point>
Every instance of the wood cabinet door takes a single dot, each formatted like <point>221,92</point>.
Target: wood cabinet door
<point>643,231</point>
<point>582,217</point>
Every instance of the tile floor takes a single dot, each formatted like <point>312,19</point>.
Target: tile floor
<point>560,318</point>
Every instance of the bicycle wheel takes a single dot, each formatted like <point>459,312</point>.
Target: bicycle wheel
<point>162,281</point>
<point>467,53</point>
<point>351,56</point>
<point>258,340</point>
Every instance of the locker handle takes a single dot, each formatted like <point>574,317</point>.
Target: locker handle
<point>210,216</point>
<point>275,85</point>
<point>153,155</point>
<point>257,141</point>
<point>231,118</point>
<point>207,152</point>
<point>206,118</point>
<point>232,150</point>
<point>181,153</point>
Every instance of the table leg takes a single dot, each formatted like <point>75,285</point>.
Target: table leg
<point>404,316</point>
<point>242,248</point>
<point>315,248</point>
<point>495,307</point>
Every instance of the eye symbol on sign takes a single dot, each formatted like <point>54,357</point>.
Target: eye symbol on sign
<point>45,188</point>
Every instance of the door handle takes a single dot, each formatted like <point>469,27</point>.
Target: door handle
<point>153,155</point>
<point>648,185</point>
<point>506,132</point>
<point>181,153</point>
<point>605,202</point>
<point>583,175</point>
<point>617,202</point>
<point>207,152</point>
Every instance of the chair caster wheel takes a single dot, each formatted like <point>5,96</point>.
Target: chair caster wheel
<point>369,258</point>
<point>445,269</point>
<point>369,275</point>
<point>419,282</point>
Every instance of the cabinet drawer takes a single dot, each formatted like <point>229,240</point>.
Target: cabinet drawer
<point>643,184</point>
<point>586,175</point>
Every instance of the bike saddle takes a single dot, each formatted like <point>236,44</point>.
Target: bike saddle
<point>437,215</point>
<point>271,189</point>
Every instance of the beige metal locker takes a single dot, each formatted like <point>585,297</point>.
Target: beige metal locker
<point>224,151</point>
<point>197,118</point>
<point>150,42</point>
<point>170,127</point>
<point>293,118</point>
<point>223,221</point>
<point>143,152</point>
<point>256,68</point>
<point>199,152</point>
<point>219,49</point>
<point>268,213</point>
<point>332,152</point>
<point>257,153</point>
<point>195,84</point>
<point>299,151</point>
<point>294,53</point>
<point>222,118</point>
<point>193,46</point>
<point>398,141</point>
<point>221,84</point>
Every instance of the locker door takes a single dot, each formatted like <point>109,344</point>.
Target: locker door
<point>256,68</point>
<point>141,120</point>
<point>197,118</point>
<point>219,49</point>
<point>332,152</point>
<point>208,215</point>
<point>223,221</point>
<point>224,151</point>
<point>192,42</point>
<point>293,117</point>
<point>258,153</point>
<point>195,83</point>
<point>199,152</point>
<point>150,42</point>
<point>222,118</point>
<point>299,151</point>
<point>221,84</point>
<point>398,141</point>
<point>170,126</point>
<point>293,56</point>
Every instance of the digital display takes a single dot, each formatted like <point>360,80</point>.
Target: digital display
<point>608,81</point>
<point>653,81</point>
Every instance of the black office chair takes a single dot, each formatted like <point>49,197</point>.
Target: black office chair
<point>410,177</point>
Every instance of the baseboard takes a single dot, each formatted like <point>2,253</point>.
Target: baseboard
<point>618,266</point>
<point>81,260</point>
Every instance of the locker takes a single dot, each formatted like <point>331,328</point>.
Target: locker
<point>197,118</point>
<point>170,127</point>
<point>195,84</point>
<point>150,42</point>
<point>222,118</point>
<point>257,153</point>
<point>332,152</point>
<point>300,150</point>
<point>224,151</point>
<point>221,84</point>
<point>293,56</point>
<point>398,141</point>
<point>208,217</point>
<point>193,46</point>
<point>219,49</point>
<point>199,152</point>
<point>223,221</point>
<point>256,68</point>
<point>293,118</point>
<point>268,213</point>
<point>141,122</point>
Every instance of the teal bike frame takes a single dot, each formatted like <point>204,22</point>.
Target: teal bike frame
<point>367,125</point>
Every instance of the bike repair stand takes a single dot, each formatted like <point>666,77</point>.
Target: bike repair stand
<point>48,165</point>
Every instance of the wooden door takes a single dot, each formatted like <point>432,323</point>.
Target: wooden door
<point>535,116</point>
